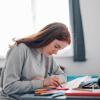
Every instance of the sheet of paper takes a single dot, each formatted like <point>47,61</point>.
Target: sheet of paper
<point>76,82</point>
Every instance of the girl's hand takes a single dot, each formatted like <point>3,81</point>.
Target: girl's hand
<point>53,80</point>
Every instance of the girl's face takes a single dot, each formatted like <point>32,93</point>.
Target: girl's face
<point>53,47</point>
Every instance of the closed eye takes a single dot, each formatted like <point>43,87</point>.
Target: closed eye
<point>57,46</point>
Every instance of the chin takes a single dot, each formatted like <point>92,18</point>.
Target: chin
<point>47,54</point>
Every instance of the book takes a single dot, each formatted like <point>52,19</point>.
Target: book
<point>50,91</point>
<point>83,92</point>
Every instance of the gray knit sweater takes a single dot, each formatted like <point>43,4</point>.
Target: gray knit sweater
<point>22,64</point>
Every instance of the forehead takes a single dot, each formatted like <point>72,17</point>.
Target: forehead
<point>62,44</point>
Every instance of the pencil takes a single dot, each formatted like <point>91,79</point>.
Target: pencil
<point>60,85</point>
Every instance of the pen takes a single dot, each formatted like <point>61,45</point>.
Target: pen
<point>60,85</point>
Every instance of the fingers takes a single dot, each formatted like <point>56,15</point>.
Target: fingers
<point>52,81</point>
<point>55,82</point>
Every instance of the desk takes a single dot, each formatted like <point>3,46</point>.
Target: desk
<point>59,98</point>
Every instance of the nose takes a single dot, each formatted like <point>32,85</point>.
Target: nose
<point>55,53</point>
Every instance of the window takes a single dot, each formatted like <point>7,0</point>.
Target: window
<point>15,22</point>
<point>23,17</point>
<point>48,11</point>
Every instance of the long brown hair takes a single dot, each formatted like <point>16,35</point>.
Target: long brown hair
<point>45,36</point>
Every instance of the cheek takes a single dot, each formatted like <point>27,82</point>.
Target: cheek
<point>47,49</point>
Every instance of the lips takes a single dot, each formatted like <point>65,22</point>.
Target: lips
<point>49,53</point>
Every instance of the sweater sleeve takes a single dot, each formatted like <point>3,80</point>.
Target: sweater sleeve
<point>58,71</point>
<point>12,74</point>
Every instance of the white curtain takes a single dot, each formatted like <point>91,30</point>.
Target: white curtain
<point>15,21</point>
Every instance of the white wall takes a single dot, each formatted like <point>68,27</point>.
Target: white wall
<point>91,23</point>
